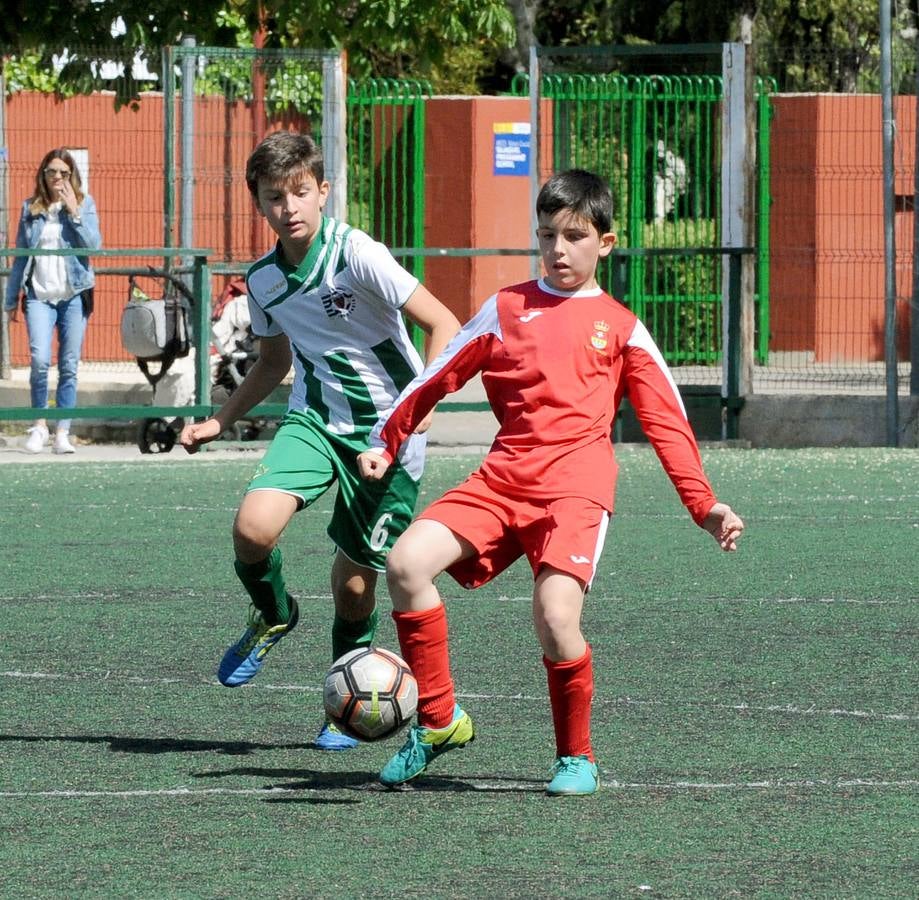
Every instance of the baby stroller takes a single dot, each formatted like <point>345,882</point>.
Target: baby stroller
<point>233,352</point>
<point>157,330</point>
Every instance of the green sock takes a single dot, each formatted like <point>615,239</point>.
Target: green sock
<point>351,635</point>
<point>265,585</point>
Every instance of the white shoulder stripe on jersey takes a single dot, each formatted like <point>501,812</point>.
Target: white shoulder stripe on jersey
<point>484,322</point>
<point>326,236</point>
<point>642,339</point>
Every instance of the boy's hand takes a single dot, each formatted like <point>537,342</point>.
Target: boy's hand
<point>371,465</point>
<point>198,433</point>
<point>424,424</point>
<point>724,525</point>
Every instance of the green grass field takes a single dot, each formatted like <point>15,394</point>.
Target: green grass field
<point>755,717</point>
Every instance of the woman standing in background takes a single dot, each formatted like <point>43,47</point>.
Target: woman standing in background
<point>55,291</point>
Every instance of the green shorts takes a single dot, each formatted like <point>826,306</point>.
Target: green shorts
<point>305,460</point>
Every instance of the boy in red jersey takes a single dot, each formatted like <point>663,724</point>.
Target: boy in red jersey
<point>556,356</point>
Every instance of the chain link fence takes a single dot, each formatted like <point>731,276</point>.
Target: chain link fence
<point>166,170</point>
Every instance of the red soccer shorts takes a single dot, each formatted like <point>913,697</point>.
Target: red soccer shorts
<point>566,533</point>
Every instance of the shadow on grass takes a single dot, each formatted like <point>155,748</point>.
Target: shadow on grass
<point>301,779</point>
<point>311,780</point>
<point>157,745</point>
<point>476,784</point>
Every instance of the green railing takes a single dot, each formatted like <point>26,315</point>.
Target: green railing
<point>724,389</point>
<point>385,138</point>
<point>726,392</point>
<point>765,88</point>
<point>197,270</point>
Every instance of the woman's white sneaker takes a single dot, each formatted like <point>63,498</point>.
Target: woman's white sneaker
<point>38,437</point>
<point>62,443</point>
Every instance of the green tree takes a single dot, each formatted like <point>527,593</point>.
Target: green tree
<point>807,44</point>
<point>450,42</point>
<point>457,45</point>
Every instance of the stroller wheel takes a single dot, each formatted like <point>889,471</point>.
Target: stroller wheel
<point>155,436</point>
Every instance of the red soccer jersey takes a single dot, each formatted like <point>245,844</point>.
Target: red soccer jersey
<point>555,367</point>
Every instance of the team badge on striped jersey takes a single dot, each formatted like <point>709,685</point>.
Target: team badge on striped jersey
<point>338,303</point>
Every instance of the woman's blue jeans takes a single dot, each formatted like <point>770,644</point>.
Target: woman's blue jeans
<point>41,320</point>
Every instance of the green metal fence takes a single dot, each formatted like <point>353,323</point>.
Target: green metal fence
<point>218,104</point>
<point>385,139</point>
<point>198,274</point>
<point>656,138</point>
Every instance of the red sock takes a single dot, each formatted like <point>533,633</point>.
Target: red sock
<point>571,690</point>
<point>423,639</point>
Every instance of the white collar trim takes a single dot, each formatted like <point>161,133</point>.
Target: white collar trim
<point>544,286</point>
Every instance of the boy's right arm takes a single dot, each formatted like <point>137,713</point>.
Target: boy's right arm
<point>371,465</point>
<point>463,357</point>
<point>438,323</point>
<point>273,363</point>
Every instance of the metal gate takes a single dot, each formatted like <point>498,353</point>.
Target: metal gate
<point>656,139</point>
<point>385,140</point>
<point>219,103</point>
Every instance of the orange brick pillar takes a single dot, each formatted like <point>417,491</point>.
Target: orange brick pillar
<point>827,227</point>
<point>469,202</point>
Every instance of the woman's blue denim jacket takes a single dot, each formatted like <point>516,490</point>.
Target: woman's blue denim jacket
<point>83,234</point>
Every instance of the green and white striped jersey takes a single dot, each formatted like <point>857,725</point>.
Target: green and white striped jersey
<point>340,310</point>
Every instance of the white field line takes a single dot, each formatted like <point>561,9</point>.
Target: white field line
<point>781,708</point>
<point>476,785</point>
<point>115,595</point>
<point>608,598</point>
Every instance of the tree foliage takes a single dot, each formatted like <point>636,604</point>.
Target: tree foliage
<point>457,45</point>
<point>451,42</point>
<point>805,44</point>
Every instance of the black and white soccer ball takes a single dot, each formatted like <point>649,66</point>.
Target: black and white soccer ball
<point>370,693</point>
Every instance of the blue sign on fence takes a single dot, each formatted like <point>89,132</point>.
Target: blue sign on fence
<point>512,148</point>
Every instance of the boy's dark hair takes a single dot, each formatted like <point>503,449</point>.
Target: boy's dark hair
<point>585,194</point>
<point>281,157</point>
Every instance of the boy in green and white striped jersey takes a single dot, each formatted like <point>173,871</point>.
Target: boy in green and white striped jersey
<point>329,300</point>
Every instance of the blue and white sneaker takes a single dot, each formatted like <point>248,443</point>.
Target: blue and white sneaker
<point>573,776</point>
<point>330,737</point>
<point>423,745</point>
<point>241,663</point>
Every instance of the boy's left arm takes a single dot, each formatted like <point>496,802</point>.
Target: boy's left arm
<point>460,360</point>
<point>438,323</point>
<point>724,525</point>
<point>656,400</point>
<point>433,318</point>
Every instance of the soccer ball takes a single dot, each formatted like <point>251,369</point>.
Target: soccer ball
<point>370,693</point>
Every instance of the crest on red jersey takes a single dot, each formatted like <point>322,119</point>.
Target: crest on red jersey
<point>598,340</point>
